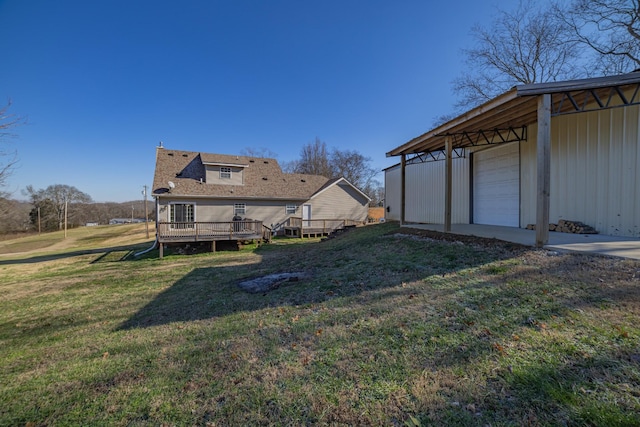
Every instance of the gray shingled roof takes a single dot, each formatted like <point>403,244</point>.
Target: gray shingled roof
<point>263,177</point>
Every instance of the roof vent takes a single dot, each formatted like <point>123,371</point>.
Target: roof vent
<point>264,178</point>
<point>303,180</point>
<point>266,162</point>
<point>185,155</point>
<point>170,154</point>
<point>252,161</point>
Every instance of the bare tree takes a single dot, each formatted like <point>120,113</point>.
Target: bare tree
<point>314,160</point>
<point>610,29</point>
<point>523,46</point>
<point>352,166</point>
<point>375,190</point>
<point>15,216</point>
<point>53,200</point>
<point>260,152</point>
<point>7,122</point>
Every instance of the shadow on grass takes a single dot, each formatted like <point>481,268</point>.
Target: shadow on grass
<point>342,267</point>
<point>51,257</point>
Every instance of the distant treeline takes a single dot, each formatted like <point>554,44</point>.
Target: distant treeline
<point>20,216</point>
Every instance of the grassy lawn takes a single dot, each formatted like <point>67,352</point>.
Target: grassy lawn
<point>387,329</point>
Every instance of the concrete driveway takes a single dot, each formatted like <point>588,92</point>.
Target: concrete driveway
<point>624,247</point>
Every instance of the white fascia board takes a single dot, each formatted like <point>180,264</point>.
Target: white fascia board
<point>335,183</point>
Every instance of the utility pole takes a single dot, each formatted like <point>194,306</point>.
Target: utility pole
<point>66,203</point>
<point>146,214</point>
<point>39,223</point>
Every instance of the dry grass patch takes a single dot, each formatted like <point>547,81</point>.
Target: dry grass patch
<point>386,330</point>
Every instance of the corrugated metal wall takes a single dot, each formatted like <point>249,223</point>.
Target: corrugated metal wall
<point>595,171</point>
<point>425,192</point>
<point>392,194</point>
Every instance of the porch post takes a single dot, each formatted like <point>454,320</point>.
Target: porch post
<point>543,169</point>
<point>447,185</point>
<point>403,165</point>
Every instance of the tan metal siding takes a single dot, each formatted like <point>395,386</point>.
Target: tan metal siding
<point>595,159</point>
<point>392,195</point>
<point>339,202</point>
<point>425,192</point>
<point>528,176</point>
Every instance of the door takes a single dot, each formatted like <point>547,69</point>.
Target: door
<point>306,216</point>
<point>496,186</point>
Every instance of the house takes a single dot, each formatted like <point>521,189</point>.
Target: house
<point>218,195</point>
<point>533,156</point>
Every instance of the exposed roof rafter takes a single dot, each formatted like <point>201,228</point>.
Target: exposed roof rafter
<point>581,101</point>
<point>505,118</point>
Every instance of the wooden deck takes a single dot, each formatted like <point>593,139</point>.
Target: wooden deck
<point>297,227</point>
<point>186,232</point>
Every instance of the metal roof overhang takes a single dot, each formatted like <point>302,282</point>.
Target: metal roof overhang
<point>502,118</point>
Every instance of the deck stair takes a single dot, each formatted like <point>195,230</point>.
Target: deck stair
<point>338,232</point>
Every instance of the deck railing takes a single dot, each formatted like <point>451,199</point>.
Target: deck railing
<point>318,226</point>
<point>206,231</point>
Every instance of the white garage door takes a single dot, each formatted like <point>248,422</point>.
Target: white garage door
<point>496,186</point>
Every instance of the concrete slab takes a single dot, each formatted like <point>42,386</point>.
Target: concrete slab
<point>624,247</point>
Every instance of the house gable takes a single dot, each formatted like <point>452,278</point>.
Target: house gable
<point>201,175</point>
<point>224,174</point>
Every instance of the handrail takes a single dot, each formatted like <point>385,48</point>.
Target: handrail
<point>195,231</point>
<point>266,233</point>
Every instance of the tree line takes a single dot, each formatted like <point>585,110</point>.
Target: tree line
<point>49,209</point>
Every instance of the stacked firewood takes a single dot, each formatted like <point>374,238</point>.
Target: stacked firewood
<point>567,226</point>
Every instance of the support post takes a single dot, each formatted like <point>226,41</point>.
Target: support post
<point>213,246</point>
<point>146,212</point>
<point>161,249</point>
<point>447,185</point>
<point>543,151</point>
<point>403,166</point>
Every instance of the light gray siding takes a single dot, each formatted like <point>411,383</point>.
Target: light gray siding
<point>339,202</point>
<point>269,212</point>
<point>392,195</point>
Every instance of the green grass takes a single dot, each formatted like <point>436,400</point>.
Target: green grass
<point>388,330</point>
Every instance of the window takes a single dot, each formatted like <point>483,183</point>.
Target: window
<point>239,209</point>
<point>225,173</point>
<point>181,215</point>
<point>291,209</point>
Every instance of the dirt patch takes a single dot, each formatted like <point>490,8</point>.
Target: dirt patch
<point>462,238</point>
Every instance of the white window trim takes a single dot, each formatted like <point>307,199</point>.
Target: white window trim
<point>236,206</point>
<point>291,209</point>
<point>225,172</point>
<point>181,203</point>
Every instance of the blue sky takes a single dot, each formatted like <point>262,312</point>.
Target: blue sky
<point>103,82</point>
